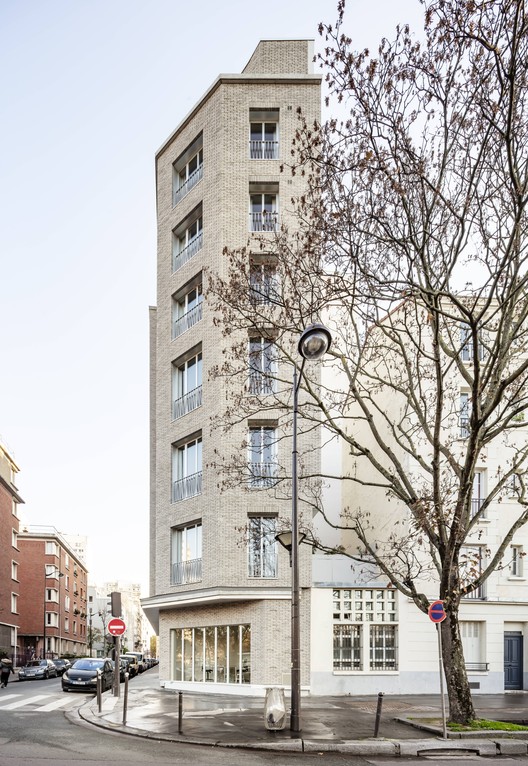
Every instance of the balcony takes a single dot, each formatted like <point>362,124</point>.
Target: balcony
<point>464,427</point>
<point>187,185</point>
<point>187,403</point>
<point>476,505</point>
<point>476,595</point>
<point>185,572</point>
<point>188,252</point>
<point>266,221</point>
<point>264,150</point>
<point>261,384</point>
<point>262,475</point>
<point>187,487</point>
<point>185,322</point>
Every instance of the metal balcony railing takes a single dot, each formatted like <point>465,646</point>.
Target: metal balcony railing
<point>264,291</point>
<point>187,403</point>
<point>476,595</point>
<point>477,666</point>
<point>476,505</point>
<point>464,427</point>
<point>261,384</point>
<point>186,572</point>
<point>262,475</point>
<point>266,221</point>
<point>187,487</point>
<point>187,185</point>
<point>188,252</point>
<point>264,150</point>
<point>185,322</point>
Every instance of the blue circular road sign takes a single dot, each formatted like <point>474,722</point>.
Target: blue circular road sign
<point>436,611</point>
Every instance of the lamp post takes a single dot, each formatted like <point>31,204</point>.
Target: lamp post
<point>313,344</point>
<point>47,574</point>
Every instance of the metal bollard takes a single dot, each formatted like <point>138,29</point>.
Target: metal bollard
<point>180,712</point>
<point>378,713</point>
<point>125,700</point>
<point>98,687</point>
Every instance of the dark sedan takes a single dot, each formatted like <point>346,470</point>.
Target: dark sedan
<point>62,665</point>
<point>82,676</point>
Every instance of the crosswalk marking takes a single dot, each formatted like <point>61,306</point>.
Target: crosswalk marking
<point>8,696</point>
<point>66,700</point>
<point>25,701</point>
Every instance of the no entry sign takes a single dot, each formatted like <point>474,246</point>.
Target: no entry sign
<point>436,611</point>
<point>116,627</point>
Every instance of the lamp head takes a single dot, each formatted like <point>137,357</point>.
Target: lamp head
<point>314,342</point>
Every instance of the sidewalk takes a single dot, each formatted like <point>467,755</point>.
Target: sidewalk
<point>340,724</point>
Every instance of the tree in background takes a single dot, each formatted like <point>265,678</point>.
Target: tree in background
<point>411,237</point>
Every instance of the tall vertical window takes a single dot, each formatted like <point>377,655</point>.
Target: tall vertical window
<point>263,214</point>
<point>471,565</point>
<point>263,283</point>
<point>262,456</point>
<point>262,366</point>
<point>186,310</point>
<point>263,140</point>
<point>465,415</point>
<point>262,546</point>
<point>467,346</point>
<point>186,470</point>
<point>186,241</point>
<point>14,603</point>
<point>365,618</point>
<point>472,634</point>
<point>479,491</point>
<point>187,554</point>
<point>516,566</point>
<point>187,386</point>
<point>187,170</point>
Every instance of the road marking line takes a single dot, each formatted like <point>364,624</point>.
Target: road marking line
<point>55,705</point>
<point>25,701</point>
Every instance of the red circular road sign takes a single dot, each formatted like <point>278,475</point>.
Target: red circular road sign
<point>116,627</point>
<point>436,611</point>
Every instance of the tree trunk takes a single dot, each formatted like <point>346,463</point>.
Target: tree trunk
<point>461,708</point>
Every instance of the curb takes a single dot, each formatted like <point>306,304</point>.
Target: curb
<point>366,747</point>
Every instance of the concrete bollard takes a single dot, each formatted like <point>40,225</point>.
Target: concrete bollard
<point>378,713</point>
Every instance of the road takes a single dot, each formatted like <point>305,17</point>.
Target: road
<point>41,727</point>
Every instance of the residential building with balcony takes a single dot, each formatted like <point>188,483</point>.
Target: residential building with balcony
<point>54,595</point>
<point>220,590</point>
<point>10,500</point>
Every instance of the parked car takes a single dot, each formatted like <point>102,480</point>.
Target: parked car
<point>140,660</point>
<point>37,669</point>
<point>82,676</point>
<point>62,665</point>
<point>133,667</point>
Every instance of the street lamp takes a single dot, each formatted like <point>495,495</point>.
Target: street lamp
<point>313,345</point>
<point>47,574</point>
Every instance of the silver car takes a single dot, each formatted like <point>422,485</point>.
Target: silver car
<point>37,669</point>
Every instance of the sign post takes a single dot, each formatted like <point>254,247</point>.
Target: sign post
<point>437,615</point>
<point>117,627</point>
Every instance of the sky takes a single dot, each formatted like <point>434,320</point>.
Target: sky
<point>90,89</point>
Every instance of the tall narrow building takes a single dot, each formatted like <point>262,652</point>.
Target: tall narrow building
<point>220,597</point>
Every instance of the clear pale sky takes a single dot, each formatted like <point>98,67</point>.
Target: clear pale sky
<point>90,90</point>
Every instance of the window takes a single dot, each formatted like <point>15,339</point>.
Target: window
<point>479,492</point>
<point>14,508</point>
<point>186,470</point>
<point>67,624</point>
<point>52,595</point>
<point>14,603</point>
<point>263,214</point>
<point>263,283</point>
<point>186,240</point>
<point>470,568</point>
<point>52,549</point>
<point>467,351</point>
<point>187,554</point>
<point>187,386</point>
<point>264,134</point>
<point>14,538</point>
<point>516,566</point>
<point>472,634</point>
<point>187,170</point>
<point>262,547</point>
<point>186,310</point>
<point>214,654</point>
<point>465,415</point>
<point>67,603</point>
<point>262,366</point>
<point>52,619</point>
<point>262,456</point>
<point>365,617</point>
<point>14,570</point>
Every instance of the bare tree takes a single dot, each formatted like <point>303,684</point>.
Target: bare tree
<point>412,238</point>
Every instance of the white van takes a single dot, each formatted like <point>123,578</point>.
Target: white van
<point>140,657</point>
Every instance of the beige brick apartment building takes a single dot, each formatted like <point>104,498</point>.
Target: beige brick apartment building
<point>221,607</point>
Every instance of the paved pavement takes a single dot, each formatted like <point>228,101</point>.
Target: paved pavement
<point>409,725</point>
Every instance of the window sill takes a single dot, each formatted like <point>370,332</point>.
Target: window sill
<point>365,672</point>
<point>517,578</point>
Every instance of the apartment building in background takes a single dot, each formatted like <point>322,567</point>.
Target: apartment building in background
<point>10,499</point>
<point>53,607</point>
<point>221,605</point>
